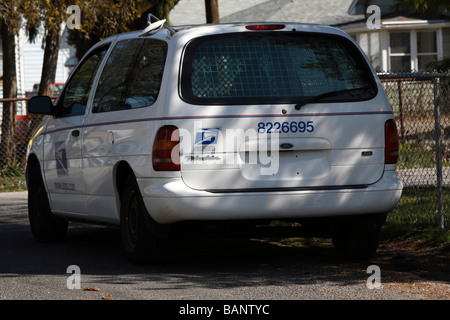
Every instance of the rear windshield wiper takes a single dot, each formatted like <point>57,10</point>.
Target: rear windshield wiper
<point>328,94</point>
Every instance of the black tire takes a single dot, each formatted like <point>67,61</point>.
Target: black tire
<point>144,239</point>
<point>358,237</point>
<point>45,226</point>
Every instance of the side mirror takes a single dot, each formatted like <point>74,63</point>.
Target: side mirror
<point>40,105</point>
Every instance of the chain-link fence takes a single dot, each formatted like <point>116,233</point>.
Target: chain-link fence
<point>14,136</point>
<point>421,104</point>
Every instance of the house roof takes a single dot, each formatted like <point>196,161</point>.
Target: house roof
<point>358,7</point>
<point>388,7</point>
<point>397,21</point>
<point>302,11</point>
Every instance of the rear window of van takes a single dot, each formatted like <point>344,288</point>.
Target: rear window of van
<point>273,67</point>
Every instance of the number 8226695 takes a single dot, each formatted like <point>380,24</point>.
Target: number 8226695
<point>285,127</point>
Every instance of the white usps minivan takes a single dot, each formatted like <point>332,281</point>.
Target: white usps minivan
<point>228,122</point>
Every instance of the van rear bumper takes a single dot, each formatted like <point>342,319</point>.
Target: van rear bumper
<point>170,200</point>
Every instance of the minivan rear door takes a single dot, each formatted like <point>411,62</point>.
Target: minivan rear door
<point>277,110</point>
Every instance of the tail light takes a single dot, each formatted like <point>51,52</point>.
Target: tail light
<point>264,27</point>
<point>391,142</point>
<point>165,155</point>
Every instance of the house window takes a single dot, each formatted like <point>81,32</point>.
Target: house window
<point>400,51</point>
<point>412,50</point>
<point>426,48</point>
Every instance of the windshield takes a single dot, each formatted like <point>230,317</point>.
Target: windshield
<point>273,67</point>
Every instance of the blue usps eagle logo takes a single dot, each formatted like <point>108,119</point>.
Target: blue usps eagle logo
<point>206,139</point>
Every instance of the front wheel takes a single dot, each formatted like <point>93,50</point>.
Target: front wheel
<point>143,238</point>
<point>45,226</point>
<point>358,237</point>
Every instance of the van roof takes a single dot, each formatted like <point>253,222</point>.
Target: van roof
<point>201,29</point>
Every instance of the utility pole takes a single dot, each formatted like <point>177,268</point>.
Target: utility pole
<point>212,11</point>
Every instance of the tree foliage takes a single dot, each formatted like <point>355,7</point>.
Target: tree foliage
<point>103,18</point>
<point>432,8</point>
<point>10,16</point>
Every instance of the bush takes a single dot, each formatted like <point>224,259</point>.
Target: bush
<point>12,170</point>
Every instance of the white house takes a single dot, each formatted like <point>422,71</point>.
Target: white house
<point>29,60</point>
<point>33,54</point>
<point>403,42</point>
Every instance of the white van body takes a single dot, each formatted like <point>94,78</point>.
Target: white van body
<point>248,159</point>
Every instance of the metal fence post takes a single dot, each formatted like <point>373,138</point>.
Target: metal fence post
<point>400,106</point>
<point>437,124</point>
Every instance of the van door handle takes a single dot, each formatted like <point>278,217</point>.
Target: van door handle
<point>110,137</point>
<point>76,133</point>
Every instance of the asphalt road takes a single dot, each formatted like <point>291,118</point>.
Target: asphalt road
<point>209,267</point>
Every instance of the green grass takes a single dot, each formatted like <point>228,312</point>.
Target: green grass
<point>12,178</point>
<point>12,184</point>
<point>426,236</point>
<point>418,205</point>
<point>415,155</point>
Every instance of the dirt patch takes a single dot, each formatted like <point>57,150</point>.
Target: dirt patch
<point>414,261</point>
<point>426,290</point>
<point>416,266</point>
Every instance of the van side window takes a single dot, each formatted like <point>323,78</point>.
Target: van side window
<point>132,75</point>
<point>74,98</point>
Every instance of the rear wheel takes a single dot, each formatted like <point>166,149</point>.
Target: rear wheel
<point>358,237</point>
<point>45,226</point>
<point>143,238</point>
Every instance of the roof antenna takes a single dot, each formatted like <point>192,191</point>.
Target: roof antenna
<point>154,26</point>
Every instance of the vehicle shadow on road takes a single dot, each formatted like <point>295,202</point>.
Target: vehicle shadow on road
<point>209,260</point>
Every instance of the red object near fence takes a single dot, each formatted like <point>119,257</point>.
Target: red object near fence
<point>23,128</point>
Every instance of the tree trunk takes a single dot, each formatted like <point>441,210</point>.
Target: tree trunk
<point>8,127</point>
<point>47,84</point>
<point>212,11</point>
